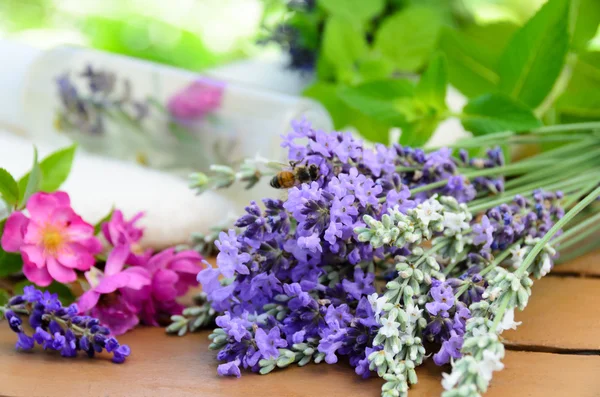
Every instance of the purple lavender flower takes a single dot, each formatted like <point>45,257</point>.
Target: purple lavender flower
<point>443,299</point>
<point>298,266</point>
<point>230,369</point>
<point>362,284</point>
<point>59,328</point>
<point>450,349</point>
<point>269,343</point>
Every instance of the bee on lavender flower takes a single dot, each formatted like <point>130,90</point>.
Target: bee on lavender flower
<point>286,179</point>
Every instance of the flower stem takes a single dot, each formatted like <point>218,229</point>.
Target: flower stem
<point>557,226</point>
<point>512,169</point>
<point>591,222</point>
<point>500,313</point>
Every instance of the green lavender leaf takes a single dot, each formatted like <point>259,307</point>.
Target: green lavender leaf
<point>431,89</point>
<point>9,189</point>
<point>56,168</point>
<point>358,10</point>
<point>343,45</point>
<point>496,112</point>
<point>376,99</point>
<point>536,54</point>
<point>471,66</point>
<point>31,182</point>
<point>409,36</point>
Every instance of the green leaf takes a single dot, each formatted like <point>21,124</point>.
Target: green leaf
<point>421,120</point>
<point>375,67</point>
<point>408,37</point>
<point>56,168</point>
<point>471,66</point>
<point>343,45</point>
<point>432,86</point>
<point>536,54</point>
<point>326,93</point>
<point>31,182</point>
<point>369,128</point>
<point>65,294</point>
<point>496,112</point>
<point>4,297</point>
<point>9,189</point>
<point>106,218</point>
<point>581,99</point>
<point>359,10</point>
<point>585,18</point>
<point>9,263</point>
<point>376,99</point>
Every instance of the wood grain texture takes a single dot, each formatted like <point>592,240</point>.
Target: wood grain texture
<point>562,313</point>
<point>587,265</point>
<point>164,365</point>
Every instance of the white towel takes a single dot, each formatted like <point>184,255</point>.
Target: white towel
<point>95,184</point>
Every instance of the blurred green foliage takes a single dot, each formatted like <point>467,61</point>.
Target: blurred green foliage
<point>126,27</point>
<point>528,63</point>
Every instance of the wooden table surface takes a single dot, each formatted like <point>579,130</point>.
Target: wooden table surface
<point>555,352</point>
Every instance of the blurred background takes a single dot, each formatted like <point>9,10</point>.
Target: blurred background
<point>181,84</point>
<point>197,34</point>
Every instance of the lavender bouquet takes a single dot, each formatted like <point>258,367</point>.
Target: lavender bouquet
<point>392,255</point>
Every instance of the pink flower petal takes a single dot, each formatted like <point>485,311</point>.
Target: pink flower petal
<point>116,259</point>
<point>39,277</point>
<point>34,255</point>
<point>41,206</point>
<point>59,272</point>
<point>77,257</point>
<point>14,231</point>
<point>138,277</point>
<point>80,231</point>
<point>62,198</point>
<point>186,266</point>
<point>88,300</point>
<point>163,285</point>
<point>33,235</point>
<point>112,283</point>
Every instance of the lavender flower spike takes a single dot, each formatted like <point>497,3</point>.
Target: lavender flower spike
<point>59,328</point>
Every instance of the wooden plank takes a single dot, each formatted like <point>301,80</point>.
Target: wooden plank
<point>587,265</point>
<point>163,365</point>
<point>563,313</point>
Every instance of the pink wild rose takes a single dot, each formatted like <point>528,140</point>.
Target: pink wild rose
<point>118,231</point>
<point>107,299</point>
<point>54,241</point>
<point>173,273</point>
<point>196,100</point>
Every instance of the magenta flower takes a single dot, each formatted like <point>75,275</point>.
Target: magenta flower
<point>118,231</point>
<point>172,274</point>
<point>196,100</point>
<point>108,298</point>
<point>54,241</point>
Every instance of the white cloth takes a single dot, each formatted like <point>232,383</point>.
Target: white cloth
<point>95,184</point>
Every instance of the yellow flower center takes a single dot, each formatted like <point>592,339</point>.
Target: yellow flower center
<point>53,239</point>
